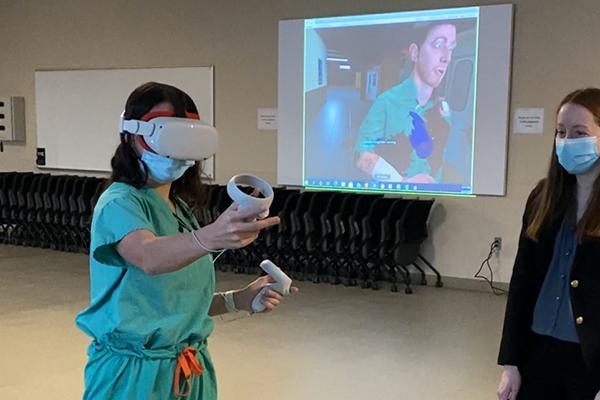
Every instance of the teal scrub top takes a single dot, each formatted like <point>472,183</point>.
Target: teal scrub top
<point>140,320</point>
<point>389,116</point>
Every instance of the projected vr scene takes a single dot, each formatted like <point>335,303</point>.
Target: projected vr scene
<point>389,102</point>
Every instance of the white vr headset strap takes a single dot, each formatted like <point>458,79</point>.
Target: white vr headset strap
<point>137,127</point>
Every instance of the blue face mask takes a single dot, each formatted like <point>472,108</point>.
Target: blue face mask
<point>577,156</point>
<point>163,169</point>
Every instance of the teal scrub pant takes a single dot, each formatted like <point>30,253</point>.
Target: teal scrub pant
<point>139,374</point>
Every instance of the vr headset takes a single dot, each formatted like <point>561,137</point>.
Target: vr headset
<point>172,137</point>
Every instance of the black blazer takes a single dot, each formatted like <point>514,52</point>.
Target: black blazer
<point>530,268</point>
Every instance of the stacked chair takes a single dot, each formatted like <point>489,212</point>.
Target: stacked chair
<point>48,211</point>
<point>361,240</point>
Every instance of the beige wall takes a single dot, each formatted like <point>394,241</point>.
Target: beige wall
<point>556,49</point>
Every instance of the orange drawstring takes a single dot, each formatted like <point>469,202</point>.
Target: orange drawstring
<point>189,365</point>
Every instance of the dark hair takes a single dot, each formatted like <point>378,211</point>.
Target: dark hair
<point>126,162</point>
<point>422,29</point>
<point>557,190</point>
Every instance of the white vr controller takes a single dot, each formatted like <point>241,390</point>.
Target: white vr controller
<point>281,285</point>
<point>246,201</point>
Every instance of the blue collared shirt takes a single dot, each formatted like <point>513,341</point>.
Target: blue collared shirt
<point>553,315</point>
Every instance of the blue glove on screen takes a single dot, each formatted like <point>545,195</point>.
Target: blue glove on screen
<point>419,137</point>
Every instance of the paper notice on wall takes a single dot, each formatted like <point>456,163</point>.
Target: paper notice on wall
<point>528,121</point>
<point>267,119</point>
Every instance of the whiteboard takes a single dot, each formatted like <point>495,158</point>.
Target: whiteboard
<point>77,111</point>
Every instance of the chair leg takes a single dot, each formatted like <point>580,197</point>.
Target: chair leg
<point>438,282</point>
<point>320,267</point>
<point>407,279</point>
<point>314,265</point>
<point>333,270</point>
<point>347,273</point>
<point>363,274</point>
<point>375,276</point>
<point>393,277</point>
<point>423,278</point>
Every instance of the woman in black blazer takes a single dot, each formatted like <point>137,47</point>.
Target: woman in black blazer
<point>550,345</point>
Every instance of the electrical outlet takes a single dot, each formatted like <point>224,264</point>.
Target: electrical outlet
<point>497,245</point>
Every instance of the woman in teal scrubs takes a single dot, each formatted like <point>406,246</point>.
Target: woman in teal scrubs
<point>152,291</point>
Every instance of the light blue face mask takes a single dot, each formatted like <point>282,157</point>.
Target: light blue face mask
<point>577,156</point>
<point>163,169</point>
